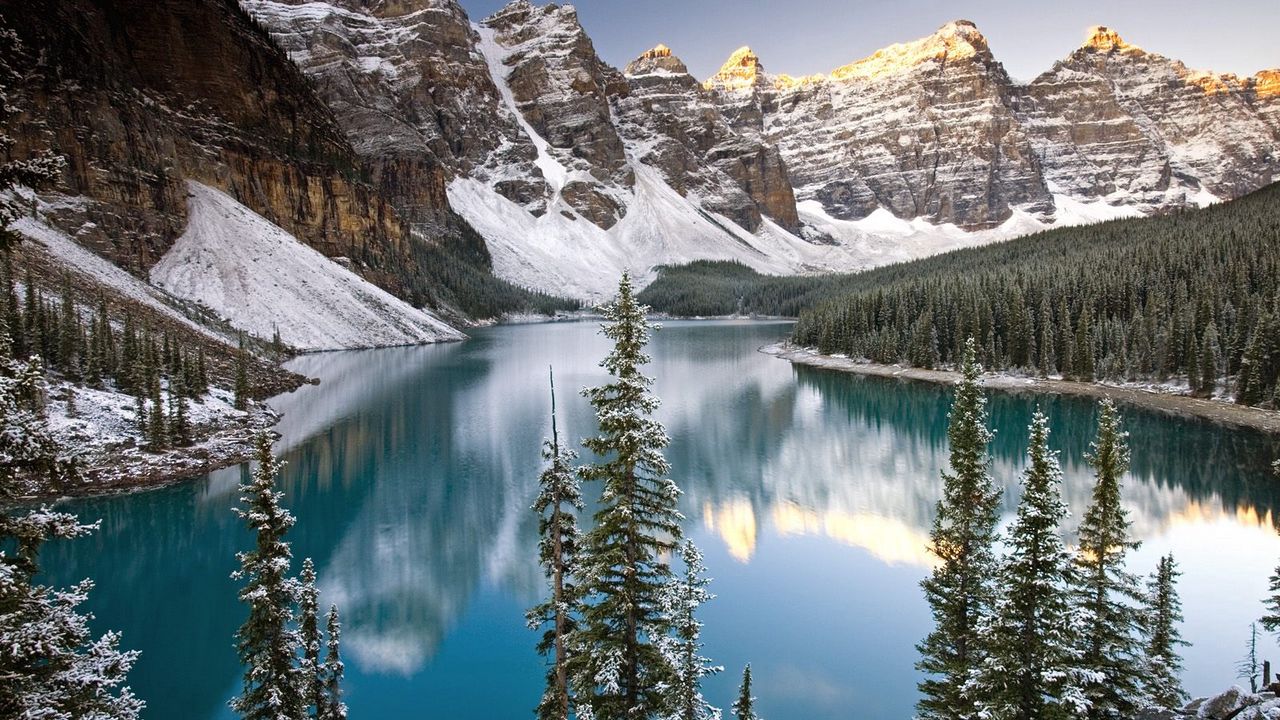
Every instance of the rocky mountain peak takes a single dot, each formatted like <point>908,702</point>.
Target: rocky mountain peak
<point>742,71</point>
<point>1103,39</point>
<point>1267,83</point>
<point>957,40</point>
<point>658,59</point>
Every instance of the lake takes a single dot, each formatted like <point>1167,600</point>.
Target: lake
<point>811,493</point>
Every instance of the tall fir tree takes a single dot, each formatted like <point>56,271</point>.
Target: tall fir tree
<point>682,600</point>
<point>558,502</point>
<point>1032,667</point>
<point>311,671</point>
<point>1109,594</point>
<point>334,708</point>
<point>51,666</point>
<point>744,708</point>
<point>959,590</point>
<point>1162,680</point>
<point>618,668</point>
<point>267,641</point>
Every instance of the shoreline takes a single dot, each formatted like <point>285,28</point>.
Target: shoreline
<point>119,471</point>
<point>1216,411</point>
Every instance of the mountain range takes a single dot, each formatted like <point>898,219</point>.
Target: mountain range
<point>381,131</point>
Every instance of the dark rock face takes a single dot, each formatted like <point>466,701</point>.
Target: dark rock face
<point>404,81</point>
<point>141,95</point>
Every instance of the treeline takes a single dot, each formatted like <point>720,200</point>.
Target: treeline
<point>1191,296</point>
<point>101,346</point>
<point>462,280</point>
<point>708,288</point>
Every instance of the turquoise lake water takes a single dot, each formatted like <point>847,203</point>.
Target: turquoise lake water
<point>811,492</point>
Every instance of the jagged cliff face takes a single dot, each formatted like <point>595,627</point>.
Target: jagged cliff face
<point>138,103</point>
<point>409,90</point>
<point>677,128</point>
<point>936,128</point>
<point>1112,120</point>
<point>372,128</point>
<point>923,129</point>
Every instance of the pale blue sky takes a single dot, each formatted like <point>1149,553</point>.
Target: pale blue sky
<point>807,36</point>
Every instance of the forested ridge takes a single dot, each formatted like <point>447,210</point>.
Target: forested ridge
<point>1187,297</point>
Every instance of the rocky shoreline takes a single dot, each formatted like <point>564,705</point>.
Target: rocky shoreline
<point>1217,411</point>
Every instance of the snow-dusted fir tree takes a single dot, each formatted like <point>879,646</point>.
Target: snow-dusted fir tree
<point>744,708</point>
<point>310,677</point>
<point>683,597</point>
<point>558,502</point>
<point>1162,683</point>
<point>619,670</point>
<point>267,641</point>
<point>333,707</point>
<point>1032,667</point>
<point>959,590</point>
<point>1109,595</point>
<point>51,666</point>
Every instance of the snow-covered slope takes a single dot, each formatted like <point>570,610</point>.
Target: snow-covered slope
<point>97,271</point>
<point>260,278</point>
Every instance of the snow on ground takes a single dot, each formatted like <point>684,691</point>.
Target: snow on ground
<point>260,278</point>
<point>567,255</point>
<point>103,432</point>
<point>79,259</point>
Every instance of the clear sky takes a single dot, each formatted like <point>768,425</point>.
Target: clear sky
<point>800,37</point>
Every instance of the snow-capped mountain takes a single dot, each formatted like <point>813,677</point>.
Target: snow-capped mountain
<point>381,131</point>
<point>573,170</point>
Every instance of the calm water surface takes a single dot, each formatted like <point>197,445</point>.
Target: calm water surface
<point>811,492</point>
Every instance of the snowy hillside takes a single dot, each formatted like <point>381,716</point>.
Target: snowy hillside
<point>260,278</point>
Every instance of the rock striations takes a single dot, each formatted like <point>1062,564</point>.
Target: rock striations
<point>399,122</point>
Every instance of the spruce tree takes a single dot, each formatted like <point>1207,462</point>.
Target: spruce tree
<point>684,596</point>
<point>1108,593</point>
<point>959,590</point>
<point>333,708</point>
<point>559,499</point>
<point>1162,681</point>
<point>50,664</point>
<point>619,671</point>
<point>267,642</point>
<point>744,708</point>
<point>1032,669</point>
<point>311,672</point>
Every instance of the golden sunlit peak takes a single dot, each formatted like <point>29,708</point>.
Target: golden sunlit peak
<point>1104,39</point>
<point>741,71</point>
<point>956,40</point>
<point>1267,83</point>
<point>657,51</point>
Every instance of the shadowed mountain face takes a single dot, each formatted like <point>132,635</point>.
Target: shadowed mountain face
<point>812,492</point>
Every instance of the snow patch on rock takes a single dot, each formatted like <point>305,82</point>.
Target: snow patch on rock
<point>260,278</point>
